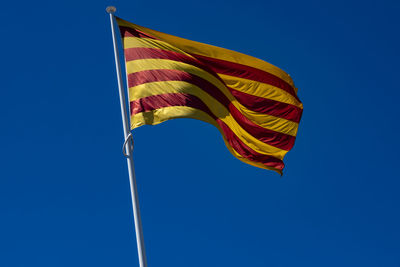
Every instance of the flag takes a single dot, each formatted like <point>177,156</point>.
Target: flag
<point>251,102</point>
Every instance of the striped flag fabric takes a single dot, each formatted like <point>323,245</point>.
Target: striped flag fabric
<point>251,102</point>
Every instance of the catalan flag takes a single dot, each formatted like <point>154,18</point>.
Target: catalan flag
<point>252,103</point>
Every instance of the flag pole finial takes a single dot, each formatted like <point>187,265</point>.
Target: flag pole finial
<point>111,9</point>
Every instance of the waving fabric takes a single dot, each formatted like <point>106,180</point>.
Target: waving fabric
<point>253,103</point>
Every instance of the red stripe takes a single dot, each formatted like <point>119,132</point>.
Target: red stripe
<point>268,106</point>
<point>156,53</point>
<point>170,100</point>
<point>246,72</point>
<point>153,102</point>
<point>279,140</point>
<point>131,32</point>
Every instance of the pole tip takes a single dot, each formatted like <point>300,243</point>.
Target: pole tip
<point>111,9</point>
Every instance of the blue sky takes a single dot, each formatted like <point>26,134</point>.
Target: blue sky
<point>64,189</point>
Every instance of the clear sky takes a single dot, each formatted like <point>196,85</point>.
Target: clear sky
<point>64,190</point>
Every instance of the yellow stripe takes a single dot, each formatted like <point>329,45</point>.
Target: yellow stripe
<point>244,85</point>
<point>260,90</point>
<point>160,115</point>
<point>194,47</point>
<point>135,42</point>
<point>264,120</point>
<point>163,114</point>
<point>170,87</point>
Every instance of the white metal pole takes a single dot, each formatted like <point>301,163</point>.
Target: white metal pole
<point>125,123</point>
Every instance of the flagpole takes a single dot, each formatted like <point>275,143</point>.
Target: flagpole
<point>128,148</point>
